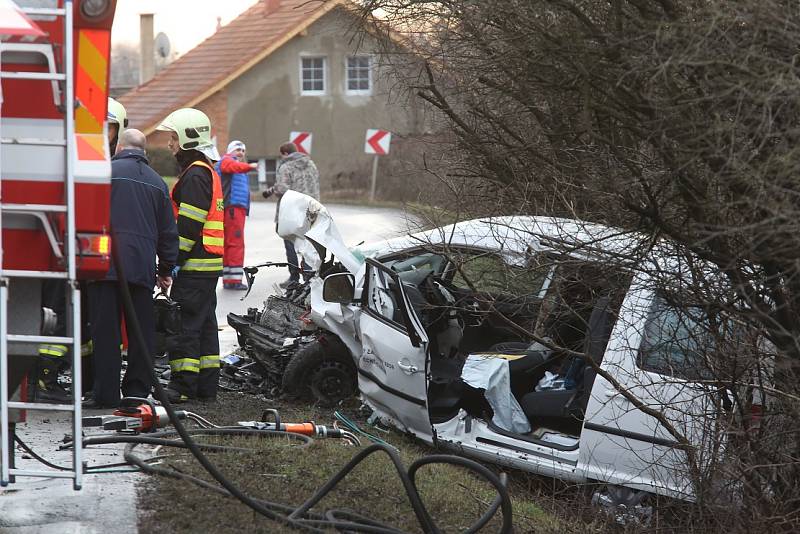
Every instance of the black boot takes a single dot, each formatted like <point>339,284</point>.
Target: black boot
<point>87,371</point>
<point>46,387</point>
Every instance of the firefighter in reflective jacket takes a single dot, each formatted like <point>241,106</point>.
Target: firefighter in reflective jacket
<point>199,209</point>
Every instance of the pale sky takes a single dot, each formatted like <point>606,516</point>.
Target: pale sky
<point>186,22</point>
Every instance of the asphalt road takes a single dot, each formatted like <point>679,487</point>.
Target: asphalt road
<point>107,502</point>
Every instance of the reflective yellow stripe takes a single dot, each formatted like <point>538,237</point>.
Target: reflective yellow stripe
<point>197,264</point>
<point>219,241</point>
<point>192,212</point>
<point>185,244</point>
<point>209,362</point>
<point>214,225</point>
<point>190,365</point>
<point>56,351</point>
<point>87,348</point>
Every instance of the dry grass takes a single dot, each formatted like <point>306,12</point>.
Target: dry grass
<point>280,470</point>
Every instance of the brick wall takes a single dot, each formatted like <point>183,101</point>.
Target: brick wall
<point>216,107</point>
<point>158,140</point>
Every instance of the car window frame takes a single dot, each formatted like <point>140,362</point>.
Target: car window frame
<point>406,325</point>
<point>673,373</point>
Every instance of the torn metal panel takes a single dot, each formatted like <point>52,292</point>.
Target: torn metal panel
<point>302,218</point>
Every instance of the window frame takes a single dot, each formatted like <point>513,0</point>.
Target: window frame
<point>358,92</point>
<point>314,92</point>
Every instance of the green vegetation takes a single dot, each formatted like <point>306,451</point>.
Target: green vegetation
<point>281,470</point>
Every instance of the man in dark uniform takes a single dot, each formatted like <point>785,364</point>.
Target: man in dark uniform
<point>142,228</point>
<point>54,357</point>
<point>198,203</point>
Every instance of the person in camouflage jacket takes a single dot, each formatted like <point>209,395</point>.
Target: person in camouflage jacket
<point>296,172</point>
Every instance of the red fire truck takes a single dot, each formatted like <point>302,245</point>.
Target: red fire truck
<point>55,180</point>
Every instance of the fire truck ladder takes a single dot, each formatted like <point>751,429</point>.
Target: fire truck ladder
<point>41,213</point>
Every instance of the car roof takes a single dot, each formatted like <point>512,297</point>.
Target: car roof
<point>516,237</point>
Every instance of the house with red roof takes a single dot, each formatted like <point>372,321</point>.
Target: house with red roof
<point>287,66</point>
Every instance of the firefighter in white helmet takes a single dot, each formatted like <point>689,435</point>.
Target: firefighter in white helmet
<point>198,203</point>
<point>117,122</point>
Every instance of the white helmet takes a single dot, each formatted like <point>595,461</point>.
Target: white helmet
<point>117,114</point>
<point>194,131</point>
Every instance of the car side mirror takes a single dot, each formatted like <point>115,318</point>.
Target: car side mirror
<point>339,288</point>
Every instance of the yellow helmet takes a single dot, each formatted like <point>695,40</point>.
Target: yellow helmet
<point>117,114</point>
<point>194,131</point>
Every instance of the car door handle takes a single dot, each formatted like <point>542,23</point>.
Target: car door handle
<point>411,369</point>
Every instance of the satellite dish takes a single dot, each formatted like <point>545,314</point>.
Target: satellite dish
<point>162,44</point>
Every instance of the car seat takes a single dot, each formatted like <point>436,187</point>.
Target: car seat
<point>527,369</point>
<point>564,409</point>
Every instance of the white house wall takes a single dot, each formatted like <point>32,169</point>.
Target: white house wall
<point>265,103</point>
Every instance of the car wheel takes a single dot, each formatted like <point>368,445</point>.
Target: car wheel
<point>323,370</point>
<point>332,381</point>
<point>625,506</point>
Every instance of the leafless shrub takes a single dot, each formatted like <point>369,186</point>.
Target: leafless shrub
<point>674,119</point>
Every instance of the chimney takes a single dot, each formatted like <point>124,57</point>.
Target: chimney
<point>270,6</point>
<point>147,59</point>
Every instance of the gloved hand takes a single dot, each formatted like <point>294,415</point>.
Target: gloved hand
<point>267,193</point>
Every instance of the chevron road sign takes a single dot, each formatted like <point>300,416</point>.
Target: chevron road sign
<point>302,140</point>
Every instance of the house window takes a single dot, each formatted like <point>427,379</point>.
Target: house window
<point>359,75</point>
<point>312,75</point>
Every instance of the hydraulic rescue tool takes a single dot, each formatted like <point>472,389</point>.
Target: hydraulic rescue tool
<point>145,415</point>
<point>134,413</point>
<point>309,429</point>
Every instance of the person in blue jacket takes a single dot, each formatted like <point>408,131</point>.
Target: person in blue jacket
<point>143,229</point>
<point>233,169</point>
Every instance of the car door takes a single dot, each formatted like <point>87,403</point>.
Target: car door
<point>392,368</point>
<point>620,443</point>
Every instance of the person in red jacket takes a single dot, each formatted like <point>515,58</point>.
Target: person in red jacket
<point>233,169</point>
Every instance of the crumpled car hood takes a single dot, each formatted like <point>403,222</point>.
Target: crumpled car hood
<point>302,218</point>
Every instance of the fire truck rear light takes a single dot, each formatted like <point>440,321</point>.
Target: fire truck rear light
<point>94,244</point>
<point>101,244</point>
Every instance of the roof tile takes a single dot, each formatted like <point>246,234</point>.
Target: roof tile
<point>218,58</point>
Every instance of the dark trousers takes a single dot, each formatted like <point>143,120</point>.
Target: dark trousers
<point>294,267</point>
<point>194,355</point>
<point>54,297</point>
<point>291,259</point>
<point>106,309</point>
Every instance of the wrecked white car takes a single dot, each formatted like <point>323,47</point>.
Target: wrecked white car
<point>608,393</point>
<point>282,354</point>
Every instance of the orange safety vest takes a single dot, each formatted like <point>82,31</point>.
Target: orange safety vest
<point>213,230</point>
